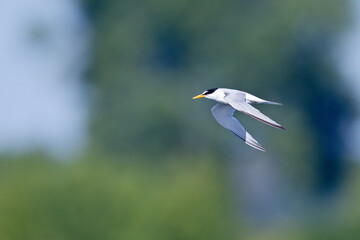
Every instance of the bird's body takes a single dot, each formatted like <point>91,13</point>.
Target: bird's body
<point>230,100</point>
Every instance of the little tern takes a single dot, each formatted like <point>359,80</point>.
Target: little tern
<point>230,100</point>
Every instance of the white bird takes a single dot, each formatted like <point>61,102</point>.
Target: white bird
<point>230,100</point>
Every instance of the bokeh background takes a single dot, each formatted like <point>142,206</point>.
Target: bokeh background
<point>100,139</point>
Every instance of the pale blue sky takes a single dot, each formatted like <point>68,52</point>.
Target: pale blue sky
<point>43,49</point>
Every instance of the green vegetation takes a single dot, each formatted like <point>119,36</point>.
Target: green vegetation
<point>93,199</point>
<point>40,199</point>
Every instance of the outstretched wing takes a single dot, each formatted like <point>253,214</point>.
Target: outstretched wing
<point>223,114</point>
<point>239,104</point>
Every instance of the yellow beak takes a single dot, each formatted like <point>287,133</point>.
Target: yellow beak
<point>199,96</point>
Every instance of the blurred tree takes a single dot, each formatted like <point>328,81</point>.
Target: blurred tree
<point>151,57</point>
<point>327,107</point>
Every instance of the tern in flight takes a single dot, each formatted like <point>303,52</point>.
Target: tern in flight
<point>230,100</point>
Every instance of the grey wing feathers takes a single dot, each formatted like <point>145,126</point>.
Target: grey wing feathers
<point>239,104</point>
<point>223,114</point>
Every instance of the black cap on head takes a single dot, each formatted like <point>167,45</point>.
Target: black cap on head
<point>210,91</point>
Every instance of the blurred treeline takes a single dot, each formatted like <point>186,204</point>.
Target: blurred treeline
<point>151,57</point>
<point>157,164</point>
<point>97,198</point>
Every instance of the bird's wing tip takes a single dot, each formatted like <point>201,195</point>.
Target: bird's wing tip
<point>262,149</point>
<point>255,145</point>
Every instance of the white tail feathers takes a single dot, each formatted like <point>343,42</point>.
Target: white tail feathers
<point>273,103</point>
<point>252,99</point>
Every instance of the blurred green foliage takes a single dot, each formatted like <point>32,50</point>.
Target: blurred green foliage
<point>151,57</point>
<point>93,199</point>
<point>98,199</point>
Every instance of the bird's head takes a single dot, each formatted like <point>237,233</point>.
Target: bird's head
<point>207,94</point>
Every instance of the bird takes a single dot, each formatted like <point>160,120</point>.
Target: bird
<point>230,100</point>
